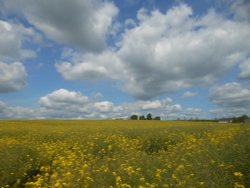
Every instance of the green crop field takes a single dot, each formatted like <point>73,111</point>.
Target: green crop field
<point>124,154</point>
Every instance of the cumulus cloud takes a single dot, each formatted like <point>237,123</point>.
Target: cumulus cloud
<point>89,66</point>
<point>189,94</point>
<point>66,104</point>
<point>63,103</point>
<point>103,106</point>
<point>13,77</point>
<point>240,9</point>
<point>164,52</point>
<point>194,113</point>
<point>166,108</point>
<point>232,99</point>
<point>83,71</point>
<point>230,94</point>
<point>156,47</point>
<point>12,38</point>
<point>150,105</point>
<point>228,112</point>
<point>177,112</point>
<point>81,23</point>
<point>10,112</point>
<point>245,69</point>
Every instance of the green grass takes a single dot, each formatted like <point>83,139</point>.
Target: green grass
<point>124,154</point>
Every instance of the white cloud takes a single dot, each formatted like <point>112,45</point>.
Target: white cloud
<point>90,66</point>
<point>148,105</point>
<point>189,94</point>
<point>194,112</point>
<point>104,106</point>
<point>232,99</point>
<point>130,23</point>
<point>83,71</point>
<point>228,112</point>
<point>10,112</point>
<point>164,107</point>
<point>245,69</point>
<point>165,52</point>
<point>12,38</point>
<point>13,77</point>
<point>188,113</point>
<point>63,103</point>
<point>151,105</point>
<point>240,9</point>
<point>81,23</point>
<point>230,94</point>
<point>61,99</point>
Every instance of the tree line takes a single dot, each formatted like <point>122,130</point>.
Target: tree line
<point>142,117</point>
<point>240,119</point>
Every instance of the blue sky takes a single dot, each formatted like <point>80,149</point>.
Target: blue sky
<point>96,59</point>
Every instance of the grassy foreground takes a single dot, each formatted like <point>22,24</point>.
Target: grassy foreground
<point>124,154</point>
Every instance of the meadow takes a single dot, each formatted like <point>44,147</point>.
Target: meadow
<point>123,154</point>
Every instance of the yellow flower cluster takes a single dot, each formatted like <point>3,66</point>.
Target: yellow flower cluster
<point>123,154</point>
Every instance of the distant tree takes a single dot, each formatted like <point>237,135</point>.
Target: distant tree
<point>134,117</point>
<point>142,117</point>
<point>240,119</point>
<point>245,117</point>
<point>149,116</point>
<point>157,118</point>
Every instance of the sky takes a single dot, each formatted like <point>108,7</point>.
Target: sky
<point>103,59</point>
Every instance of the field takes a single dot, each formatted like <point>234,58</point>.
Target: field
<point>124,154</point>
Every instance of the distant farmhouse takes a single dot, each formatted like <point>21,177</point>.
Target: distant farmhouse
<point>225,120</point>
<point>240,119</point>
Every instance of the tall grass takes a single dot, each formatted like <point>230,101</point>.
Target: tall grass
<point>124,154</point>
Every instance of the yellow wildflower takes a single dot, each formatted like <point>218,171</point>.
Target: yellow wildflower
<point>142,179</point>
<point>239,174</point>
<point>238,185</point>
